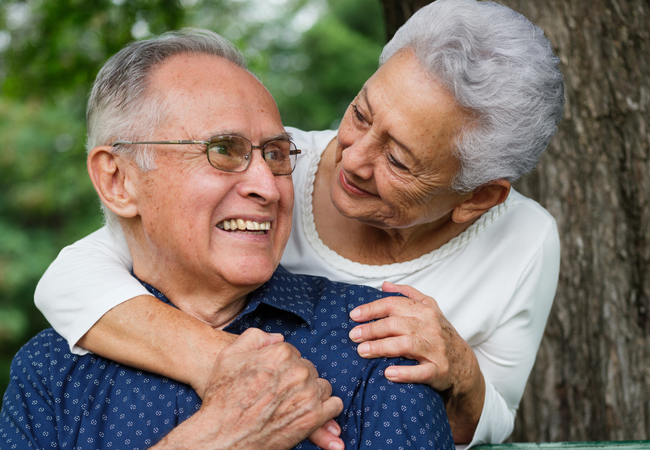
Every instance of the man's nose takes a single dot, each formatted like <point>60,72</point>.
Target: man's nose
<point>260,182</point>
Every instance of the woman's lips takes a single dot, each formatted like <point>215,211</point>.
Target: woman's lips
<point>351,187</point>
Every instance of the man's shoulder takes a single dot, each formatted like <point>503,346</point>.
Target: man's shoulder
<point>39,348</point>
<point>46,359</point>
<point>321,289</point>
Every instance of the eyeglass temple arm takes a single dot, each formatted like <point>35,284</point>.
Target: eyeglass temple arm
<point>160,142</point>
<point>292,152</point>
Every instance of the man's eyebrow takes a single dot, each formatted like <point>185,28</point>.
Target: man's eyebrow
<point>284,135</point>
<point>364,96</point>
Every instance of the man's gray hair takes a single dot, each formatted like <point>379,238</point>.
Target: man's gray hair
<point>122,107</point>
<point>501,68</point>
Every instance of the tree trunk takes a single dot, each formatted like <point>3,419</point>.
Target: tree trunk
<point>396,12</point>
<point>592,376</point>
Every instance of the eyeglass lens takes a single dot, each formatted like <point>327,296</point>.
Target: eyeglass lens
<point>233,154</point>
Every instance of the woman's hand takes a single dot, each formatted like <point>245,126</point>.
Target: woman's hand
<point>414,327</point>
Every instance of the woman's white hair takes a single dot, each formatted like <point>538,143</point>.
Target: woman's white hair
<point>121,106</point>
<point>500,67</point>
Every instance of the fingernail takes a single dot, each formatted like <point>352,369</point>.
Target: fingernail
<point>391,372</point>
<point>334,430</point>
<point>335,446</point>
<point>363,349</point>
<point>355,314</point>
<point>355,334</point>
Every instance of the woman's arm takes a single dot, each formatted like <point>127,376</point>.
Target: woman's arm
<point>84,294</point>
<point>148,334</point>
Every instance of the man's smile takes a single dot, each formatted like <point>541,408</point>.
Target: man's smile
<point>242,225</point>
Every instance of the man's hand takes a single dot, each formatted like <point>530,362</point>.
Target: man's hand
<point>261,394</point>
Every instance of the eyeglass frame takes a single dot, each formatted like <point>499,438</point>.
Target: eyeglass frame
<point>247,157</point>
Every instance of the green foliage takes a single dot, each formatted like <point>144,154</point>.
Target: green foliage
<point>66,41</point>
<point>315,81</point>
<point>47,202</point>
<point>313,55</point>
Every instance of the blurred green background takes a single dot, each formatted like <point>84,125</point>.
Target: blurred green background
<point>313,55</point>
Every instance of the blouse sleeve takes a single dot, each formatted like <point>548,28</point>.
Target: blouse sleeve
<point>507,357</point>
<point>85,281</point>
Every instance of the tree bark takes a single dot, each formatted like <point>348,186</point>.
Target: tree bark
<point>591,380</point>
<point>396,12</point>
<point>592,376</point>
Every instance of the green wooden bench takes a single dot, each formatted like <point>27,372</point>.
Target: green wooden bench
<point>610,445</point>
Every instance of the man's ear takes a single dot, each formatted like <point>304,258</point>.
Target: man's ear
<point>111,176</point>
<point>492,194</point>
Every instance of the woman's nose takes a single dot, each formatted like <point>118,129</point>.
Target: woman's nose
<point>359,158</point>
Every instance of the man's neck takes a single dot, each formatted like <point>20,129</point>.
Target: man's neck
<point>204,296</point>
<point>217,310</point>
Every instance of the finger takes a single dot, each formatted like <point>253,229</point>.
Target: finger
<point>324,437</point>
<point>422,373</point>
<point>327,435</point>
<point>387,327</point>
<point>332,427</point>
<point>408,291</point>
<point>332,407</point>
<point>253,339</point>
<point>325,389</point>
<point>409,346</point>
<point>384,307</point>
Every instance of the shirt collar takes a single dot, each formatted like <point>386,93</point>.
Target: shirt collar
<point>285,291</point>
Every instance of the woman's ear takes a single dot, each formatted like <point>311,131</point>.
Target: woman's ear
<point>111,176</point>
<point>482,199</point>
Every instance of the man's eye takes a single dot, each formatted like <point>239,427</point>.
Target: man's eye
<point>221,150</point>
<point>277,150</point>
<point>273,154</point>
<point>224,148</point>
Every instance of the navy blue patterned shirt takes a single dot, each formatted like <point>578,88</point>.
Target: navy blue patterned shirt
<point>57,400</point>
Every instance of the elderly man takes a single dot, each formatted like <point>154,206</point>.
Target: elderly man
<point>207,234</point>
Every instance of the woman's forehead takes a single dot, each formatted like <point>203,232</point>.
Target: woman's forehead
<point>410,108</point>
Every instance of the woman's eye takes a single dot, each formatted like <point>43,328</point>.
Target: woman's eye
<point>395,163</point>
<point>357,113</point>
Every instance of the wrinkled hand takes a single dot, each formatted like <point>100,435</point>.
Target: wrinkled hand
<point>414,327</point>
<point>261,394</point>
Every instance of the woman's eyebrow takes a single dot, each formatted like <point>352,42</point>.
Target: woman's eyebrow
<point>364,96</point>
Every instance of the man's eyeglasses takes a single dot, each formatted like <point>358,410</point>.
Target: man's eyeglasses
<point>234,153</point>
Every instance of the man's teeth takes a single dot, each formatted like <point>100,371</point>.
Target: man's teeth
<point>244,225</point>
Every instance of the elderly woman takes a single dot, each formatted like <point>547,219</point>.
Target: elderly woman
<point>414,188</point>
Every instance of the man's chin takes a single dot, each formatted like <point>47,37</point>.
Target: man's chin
<point>252,277</point>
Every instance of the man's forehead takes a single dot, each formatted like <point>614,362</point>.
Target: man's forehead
<point>212,93</point>
<point>187,69</point>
